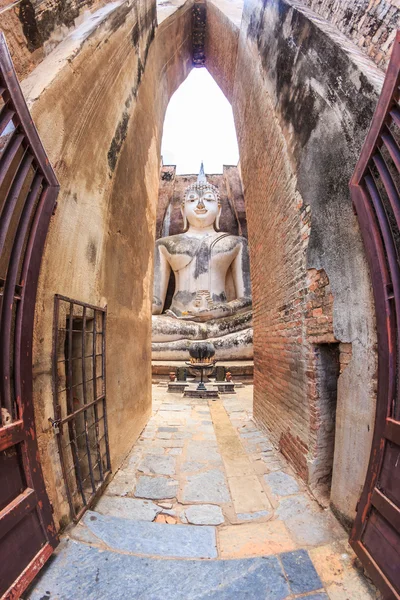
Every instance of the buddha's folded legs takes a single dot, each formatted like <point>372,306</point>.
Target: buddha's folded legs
<point>233,346</point>
<point>167,328</point>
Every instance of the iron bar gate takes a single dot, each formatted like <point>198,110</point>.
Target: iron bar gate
<point>375,188</point>
<point>28,192</point>
<point>79,392</point>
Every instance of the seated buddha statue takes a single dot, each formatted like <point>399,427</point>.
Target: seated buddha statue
<point>212,297</point>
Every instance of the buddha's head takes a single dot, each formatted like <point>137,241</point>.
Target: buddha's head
<point>201,206</point>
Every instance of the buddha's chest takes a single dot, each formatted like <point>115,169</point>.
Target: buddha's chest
<point>204,262</point>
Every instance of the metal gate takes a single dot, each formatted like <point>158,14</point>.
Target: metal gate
<point>79,380</point>
<point>28,192</point>
<point>375,188</point>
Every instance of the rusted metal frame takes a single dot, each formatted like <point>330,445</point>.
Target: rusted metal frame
<point>387,508</point>
<point>70,409</point>
<point>386,341</point>
<point>390,87</point>
<point>23,354</point>
<point>393,270</point>
<point>395,114</point>
<point>93,498</point>
<point>94,377</point>
<point>9,153</point>
<point>376,574</point>
<point>80,410</point>
<point>63,360</point>
<point>392,146</point>
<point>17,509</point>
<point>9,289</point>
<point>389,186</point>
<point>85,400</point>
<point>103,364</point>
<point>92,306</point>
<point>392,431</point>
<point>29,573</point>
<point>16,173</point>
<point>24,116</point>
<point>12,198</point>
<point>57,407</point>
<point>76,385</point>
<point>6,116</point>
<point>12,434</point>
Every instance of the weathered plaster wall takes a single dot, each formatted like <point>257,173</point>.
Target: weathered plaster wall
<point>300,130</point>
<point>371,24</point>
<point>34,28</point>
<point>100,244</point>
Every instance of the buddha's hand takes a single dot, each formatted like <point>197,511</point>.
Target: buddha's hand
<point>217,311</point>
<point>157,306</point>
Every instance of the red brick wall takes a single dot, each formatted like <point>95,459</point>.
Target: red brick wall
<point>370,25</point>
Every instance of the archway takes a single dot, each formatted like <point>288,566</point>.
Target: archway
<point>312,287</point>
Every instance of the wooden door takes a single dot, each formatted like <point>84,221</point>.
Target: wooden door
<point>28,191</point>
<point>375,188</point>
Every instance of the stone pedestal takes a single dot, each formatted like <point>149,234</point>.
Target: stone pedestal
<point>192,392</point>
<point>177,387</point>
<point>225,387</point>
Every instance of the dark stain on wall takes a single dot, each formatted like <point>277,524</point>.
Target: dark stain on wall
<point>91,252</point>
<point>30,26</point>
<point>117,141</point>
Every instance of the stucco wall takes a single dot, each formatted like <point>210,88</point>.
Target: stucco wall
<point>91,105</point>
<point>303,100</point>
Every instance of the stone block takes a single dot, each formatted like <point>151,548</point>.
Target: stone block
<point>204,514</point>
<point>153,539</point>
<point>254,539</point>
<point>281,484</point>
<point>128,508</point>
<point>247,494</point>
<point>159,465</point>
<point>122,484</point>
<point>253,516</point>
<point>206,487</point>
<point>200,452</point>
<point>93,575</point>
<point>300,572</point>
<point>156,488</point>
<point>309,525</point>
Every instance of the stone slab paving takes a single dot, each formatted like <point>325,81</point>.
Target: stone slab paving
<point>95,574</point>
<point>128,508</point>
<point>152,539</point>
<point>204,482</point>
<point>204,514</point>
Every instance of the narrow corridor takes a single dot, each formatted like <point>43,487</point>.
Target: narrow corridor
<point>204,507</point>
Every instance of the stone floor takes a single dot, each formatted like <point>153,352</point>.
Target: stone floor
<point>204,507</point>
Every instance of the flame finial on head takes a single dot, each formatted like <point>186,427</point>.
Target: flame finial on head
<point>202,184</point>
<point>201,177</point>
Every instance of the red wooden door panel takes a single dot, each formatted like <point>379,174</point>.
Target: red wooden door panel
<point>28,191</point>
<point>375,188</point>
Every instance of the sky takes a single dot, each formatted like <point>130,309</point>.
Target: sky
<point>199,126</point>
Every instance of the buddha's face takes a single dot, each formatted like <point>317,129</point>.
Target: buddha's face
<point>201,207</point>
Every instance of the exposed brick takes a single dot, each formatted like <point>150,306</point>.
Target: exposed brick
<point>371,25</point>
